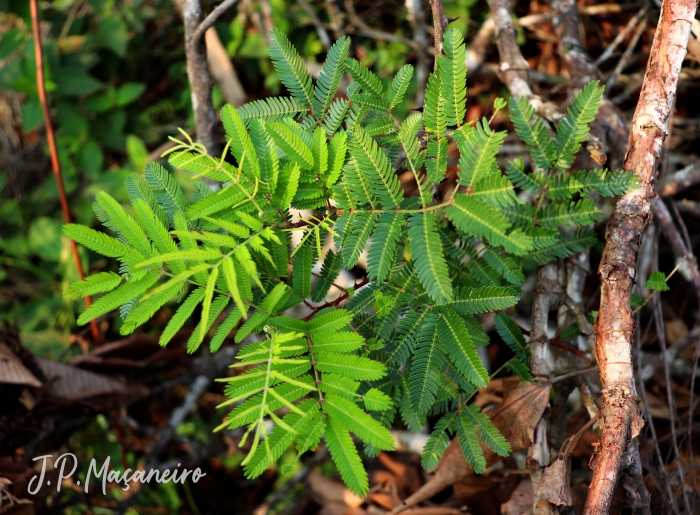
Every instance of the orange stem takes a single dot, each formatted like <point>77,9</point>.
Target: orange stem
<point>55,164</point>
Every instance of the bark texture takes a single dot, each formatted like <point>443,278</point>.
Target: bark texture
<point>620,418</point>
<point>198,75</point>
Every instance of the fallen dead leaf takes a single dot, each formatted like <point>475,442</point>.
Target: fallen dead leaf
<point>521,501</point>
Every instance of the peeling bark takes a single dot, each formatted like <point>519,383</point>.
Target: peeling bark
<point>620,417</point>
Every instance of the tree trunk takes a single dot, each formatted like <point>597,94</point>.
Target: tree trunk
<point>620,418</point>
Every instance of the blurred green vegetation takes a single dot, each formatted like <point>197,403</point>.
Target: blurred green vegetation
<point>117,86</point>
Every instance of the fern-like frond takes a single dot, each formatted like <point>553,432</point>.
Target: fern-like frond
<point>287,186</point>
<point>329,78</point>
<point>434,108</point>
<point>281,438</point>
<point>301,270</point>
<point>117,297</point>
<point>533,133</point>
<point>365,78</point>
<point>137,188</point>
<point>505,266</point>
<point>609,184</point>
<point>102,244</point>
<point>428,256</point>
<point>509,331</point>
<point>354,367</point>
<point>530,182</point>
<point>354,418</point>
<point>290,68</point>
<point>567,246</point>
<point>383,248</point>
<point>399,85</point>
<point>337,150</point>
<point>374,164</point>
<point>293,146</point>
<point>583,212</point>
<point>469,442</point>
<point>426,367</point>
<point>453,77</point>
<point>478,147</point>
<point>346,458</point>
<point>267,157</point>
<point>100,282</point>
<point>458,345</point>
<point>495,190</point>
<point>270,109</point>
<point>484,299</point>
<point>181,316</point>
<point>166,190</point>
<point>330,270</point>
<point>335,115</point>
<point>481,220</point>
<point>359,227</point>
<point>329,321</point>
<point>573,127</point>
<point>438,441</point>
<point>225,329</point>
<point>488,433</point>
<point>368,100</point>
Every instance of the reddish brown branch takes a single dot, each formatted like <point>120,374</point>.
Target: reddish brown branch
<point>439,24</point>
<point>620,418</point>
<point>51,139</point>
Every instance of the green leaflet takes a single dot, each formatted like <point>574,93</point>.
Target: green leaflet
<point>365,78</point>
<point>354,367</point>
<point>358,422</point>
<point>301,270</point>
<point>453,77</point>
<point>345,456</point>
<point>97,283</point>
<point>399,85</point>
<point>438,442</point>
<point>573,127</point>
<point>426,367</point>
<point>358,230</point>
<point>484,299</point>
<point>383,248</point>
<point>375,165</point>
<point>330,270</point>
<point>469,443</point>
<point>291,68</point>
<point>270,109</point>
<point>478,147</point>
<point>181,315</point>
<point>292,145</point>
<point>458,345</point>
<point>534,134</point>
<point>509,331</point>
<point>329,78</point>
<point>479,220</point>
<point>428,256</point>
<point>117,297</point>
<point>583,212</point>
<point>101,243</point>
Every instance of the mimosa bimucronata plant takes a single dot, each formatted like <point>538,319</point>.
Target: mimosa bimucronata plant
<point>403,345</point>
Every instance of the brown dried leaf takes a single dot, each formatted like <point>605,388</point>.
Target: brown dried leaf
<point>71,383</point>
<point>13,371</point>
<point>520,501</point>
